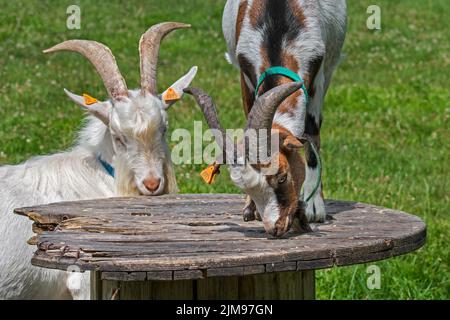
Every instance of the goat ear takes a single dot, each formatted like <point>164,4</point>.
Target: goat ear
<point>175,91</point>
<point>99,109</point>
<point>292,143</point>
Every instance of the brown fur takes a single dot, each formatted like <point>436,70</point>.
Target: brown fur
<point>240,18</point>
<point>247,96</point>
<point>265,60</point>
<point>291,63</point>
<point>298,12</point>
<point>255,12</point>
<point>247,68</point>
<point>290,160</point>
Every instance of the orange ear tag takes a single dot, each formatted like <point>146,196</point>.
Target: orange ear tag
<point>88,100</point>
<point>210,173</point>
<point>171,95</point>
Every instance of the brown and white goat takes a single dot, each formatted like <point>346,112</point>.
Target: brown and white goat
<point>305,36</point>
<point>272,182</point>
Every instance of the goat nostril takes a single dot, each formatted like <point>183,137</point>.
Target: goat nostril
<point>152,184</point>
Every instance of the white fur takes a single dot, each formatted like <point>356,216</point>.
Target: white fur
<point>143,124</point>
<point>290,122</point>
<point>77,174</point>
<point>255,185</point>
<point>323,36</point>
<point>271,213</point>
<point>72,175</point>
<point>315,208</point>
<point>229,20</point>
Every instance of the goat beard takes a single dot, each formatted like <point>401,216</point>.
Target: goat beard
<point>126,185</point>
<point>124,179</point>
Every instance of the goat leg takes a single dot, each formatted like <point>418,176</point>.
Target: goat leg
<point>301,223</point>
<point>249,212</point>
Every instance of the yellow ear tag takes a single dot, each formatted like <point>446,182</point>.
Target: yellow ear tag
<point>209,173</point>
<point>88,100</point>
<point>171,95</point>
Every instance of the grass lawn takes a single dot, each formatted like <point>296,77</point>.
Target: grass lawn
<point>386,120</point>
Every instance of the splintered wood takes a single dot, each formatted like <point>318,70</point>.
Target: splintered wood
<point>182,237</point>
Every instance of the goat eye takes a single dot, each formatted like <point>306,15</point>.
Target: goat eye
<point>282,179</point>
<point>119,141</point>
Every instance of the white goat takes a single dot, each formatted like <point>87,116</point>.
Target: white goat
<point>126,133</point>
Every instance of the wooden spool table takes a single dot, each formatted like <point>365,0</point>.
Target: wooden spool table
<point>199,247</point>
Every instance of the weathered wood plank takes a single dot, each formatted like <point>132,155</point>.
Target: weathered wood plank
<point>281,266</point>
<point>147,290</point>
<point>160,275</point>
<point>282,285</point>
<point>172,290</point>
<point>187,274</point>
<point>176,237</point>
<point>218,288</point>
<point>96,285</point>
<point>309,285</point>
<point>124,276</point>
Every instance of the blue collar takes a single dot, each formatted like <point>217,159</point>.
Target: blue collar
<point>107,166</point>
<point>283,72</point>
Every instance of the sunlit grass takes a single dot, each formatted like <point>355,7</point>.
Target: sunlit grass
<point>385,134</point>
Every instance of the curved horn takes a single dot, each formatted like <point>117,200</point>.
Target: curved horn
<point>149,52</point>
<point>263,111</point>
<point>208,107</point>
<point>102,59</point>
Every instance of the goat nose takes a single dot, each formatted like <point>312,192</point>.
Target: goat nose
<point>152,184</point>
<point>274,232</point>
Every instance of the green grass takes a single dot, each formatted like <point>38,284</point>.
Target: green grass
<point>385,133</point>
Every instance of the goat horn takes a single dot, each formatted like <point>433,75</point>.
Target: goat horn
<point>208,107</point>
<point>263,111</point>
<point>149,52</point>
<point>102,59</point>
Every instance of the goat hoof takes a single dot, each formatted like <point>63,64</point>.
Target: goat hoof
<point>249,214</point>
<point>258,216</point>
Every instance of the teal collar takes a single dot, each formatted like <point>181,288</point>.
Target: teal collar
<point>283,72</point>
<point>109,168</point>
<point>295,77</point>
